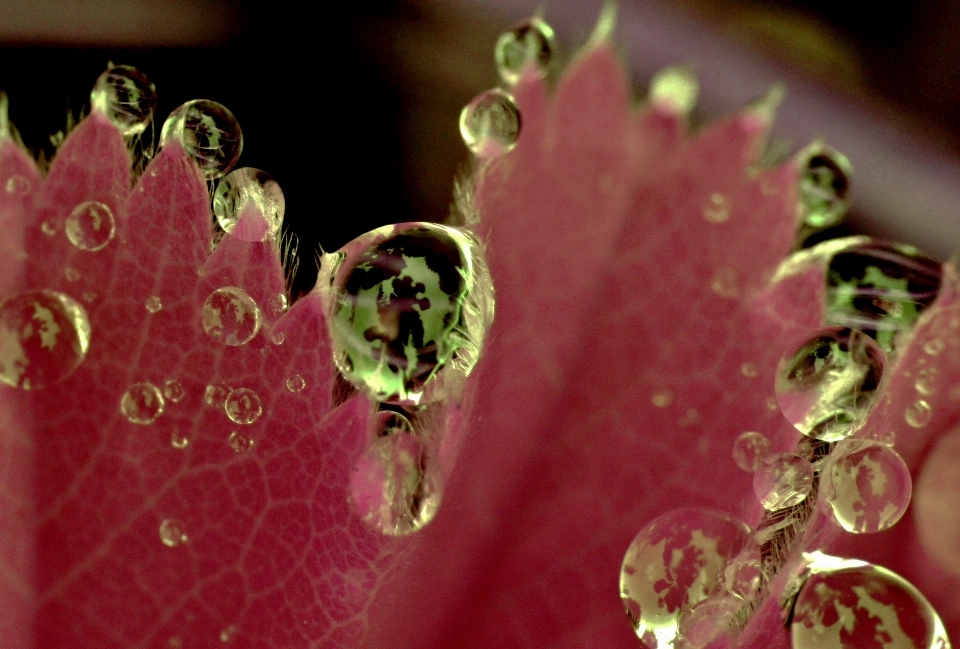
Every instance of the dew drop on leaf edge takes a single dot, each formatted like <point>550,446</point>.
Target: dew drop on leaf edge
<point>531,42</point>
<point>126,97</point>
<point>490,123</point>
<point>208,132</point>
<point>249,188</point>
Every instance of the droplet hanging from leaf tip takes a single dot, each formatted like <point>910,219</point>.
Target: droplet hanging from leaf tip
<point>126,97</point>
<point>208,132</point>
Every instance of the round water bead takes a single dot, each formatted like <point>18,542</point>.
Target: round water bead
<point>490,123</point>
<point>741,577</point>
<point>673,564</point>
<point>824,185</point>
<point>867,485</point>
<point>239,442</point>
<point>142,403</point>
<point>845,603</point>
<point>231,316</point>
<point>749,449</point>
<point>126,96</point>
<point>675,88</point>
<point>243,406</point>
<point>277,304</point>
<point>174,391</point>
<point>410,305</point>
<point>918,414</point>
<point>825,387</point>
<point>926,382</point>
<point>393,485</point>
<point>208,132</point>
<point>244,189</point>
<point>529,43</point>
<point>296,383</point>
<point>783,480</point>
<point>707,621</point>
<point>90,226</point>
<point>44,336</point>
<point>172,533</point>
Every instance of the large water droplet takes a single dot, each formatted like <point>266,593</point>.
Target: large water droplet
<point>918,413</point>
<point>410,305</point>
<point>393,485</point>
<point>172,533</point>
<point>126,96</point>
<point>246,188</point>
<point>824,185</point>
<point>142,403</point>
<point>490,124</point>
<point>827,385</point>
<point>673,564</point>
<point>208,132</point>
<point>749,449</point>
<point>867,486</point>
<point>44,336</point>
<point>531,42</point>
<point>782,480</point>
<point>676,89</point>
<point>231,316</point>
<point>90,226</point>
<point>243,406</point>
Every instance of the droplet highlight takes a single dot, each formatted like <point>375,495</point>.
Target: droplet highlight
<point>90,226</point>
<point>142,403</point>
<point>18,185</point>
<point>867,486</point>
<point>231,316</point>
<point>178,440</point>
<point>249,205</point>
<point>243,406</point>
<point>918,414</point>
<point>782,480</point>
<point>126,97</point>
<point>296,383</point>
<point>749,449</point>
<point>208,133</point>
<point>490,124</point>
<point>531,43</point>
<point>172,533</point>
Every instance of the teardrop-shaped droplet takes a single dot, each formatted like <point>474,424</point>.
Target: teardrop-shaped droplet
<point>44,336</point>
<point>529,43</point>
<point>249,205</point>
<point>490,124</point>
<point>90,226</point>
<point>676,89</point>
<point>243,406</point>
<point>296,383</point>
<point>826,384</point>
<point>749,449</point>
<point>783,480</point>
<point>824,186</point>
<point>867,485</point>
<point>126,96</point>
<point>845,603</point>
<point>172,533</point>
<point>410,304</point>
<point>239,442</point>
<point>173,391</point>
<point>394,486</point>
<point>208,132</point>
<point>142,403</point>
<point>673,564</point>
<point>231,316</point>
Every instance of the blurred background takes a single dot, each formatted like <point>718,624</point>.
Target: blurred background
<point>355,113</point>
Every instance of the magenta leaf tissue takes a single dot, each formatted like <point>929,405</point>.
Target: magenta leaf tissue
<point>610,367</point>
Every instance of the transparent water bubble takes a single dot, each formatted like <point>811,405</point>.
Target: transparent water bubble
<point>126,97</point>
<point>18,185</point>
<point>867,486</point>
<point>393,486</point>
<point>142,403</point>
<point>844,603</point>
<point>673,564</point>
<point>409,306</point>
<point>208,132</point>
<point>244,189</point>
<point>90,226</point>
<point>826,385</point>
<point>172,533</point>
<point>934,347</point>
<point>277,337</point>
<point>174,391</point>
<point>918,414</point>
<point>44,337</point>
<point>926,381</point>
<point>742,575</point>
<point>153,304</point>
<point>490,124</point>
<point>277,304</point>
<point>239,442</point>
<point>231,316</point>
<point>824,185</point>
<point>179,440</point>
<point>243,406</point>
<point>49,227</point>
<point>782,480</point>
<point>749,449</point>
<point>716,208</point>
<point>707,621</point>
<point>296,383</point>
<point>215,395</point>
<point>675,88</point>
<point>531,42</point>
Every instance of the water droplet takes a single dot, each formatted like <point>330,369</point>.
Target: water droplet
<point>824,185</point>
<point>296,383</point>
<point>239,442</point>
<point>716,210</point>
<point>277,304</point>
<point>675,88</point>
<point>673,564</point>
<point>918,413</point>
<point>142,403</point>
<point>49,227</point>
<point>71,274</point>
<point>393,486</point>
<point>231,316</point>
<point>90,226</point>
<point>208,132</point>
<point>724,283</point>
<point>749,370</point>
<point>743,574</point>
<point>44,336</point>
<point>243,406</point>
<point>530,42</point>
<point>18,185</point>
<point>772,403</point>
<point>705,622</point>
<point>926,383</point>
<point>850,603</point>
<point>662,398</point>
<point>153,304</point>
<point>172,533</point>
<point>867,485</point>
<point>749,449</point>
<point>216,395</point>
<point>408,311</point>
<point>246,188</point>
<point>782,480</point>
<point>127,97</point>
<point>277,338</point>
<point>934,347</point>
<point>490,124</point>
<point>173,391</point>
<point>227,634</point>
<point>178,439</point>
<point>89,296</point>
<point>826,387</point>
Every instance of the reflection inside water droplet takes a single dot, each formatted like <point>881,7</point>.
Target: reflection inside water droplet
<point>126,97</point>
<point>749,449</point>
<point>142,403</point>
<point>243,406</point>
<point>782,480</point>
<point>90,226</point>
<point>172,533</point>
<point>208,132</point>
<point>249,188</point>
<point>490,124</point>
<point>867,486</point>
<point>231,316</point>
<point>918,413</point>
<point>824,185</point>
<point>530,43</point>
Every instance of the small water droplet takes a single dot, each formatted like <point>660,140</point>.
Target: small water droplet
<point>127,97</point>
<point>239,442</point>
<point>231,316</point>
<point>71,274</point>
<point>918,413</point>
<point>246,188</point>
<point>716,210</point>
<point>243,406</point>
<point>153,304</point>
<point>662,398</point>
<point>749,449</point>
<point>44,336</point>
<point>749,370</point>
<point>926,382</point>
<point>18,185</point>
<point>530,42</point>
<point>89,296</point>
<point>216,395</point>
<point>90,226</point>
<point>724,283</point>
<point>227,634</point>
<point>208,132</point>
<point>824,185</point>
<point>934,347</point>
<point>782,480</point>
<point>296,383</point>
<point>172,533</point>
<point>868,486</point>
<point>277,304</point>
<point>277,338</point>
<point>178,439</point>
<point>49,227</point>
<point>742,575</point>
<point>676,89</point>
<point>142,403</point>
<point>490,124</point>
<point>173,390</point>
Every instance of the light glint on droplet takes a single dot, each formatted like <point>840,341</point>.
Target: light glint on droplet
<point>126,97</point>
<point>934,347</point>
<point>490,124</point>
<point>208,132</point>
<point>782,480</point>
<point>243,406</point>
<point>142,403</point>
<point>531,42</point>
<point>231,316</point>
<point>179,440</point>
<point>90,226</point>
<point>172,533</point>
<point>867,486</point>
